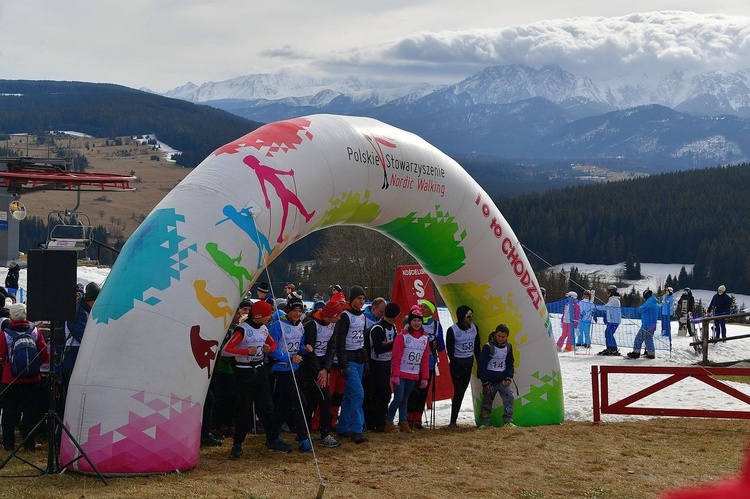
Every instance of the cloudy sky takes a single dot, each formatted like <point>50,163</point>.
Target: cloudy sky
<point>161,44</point>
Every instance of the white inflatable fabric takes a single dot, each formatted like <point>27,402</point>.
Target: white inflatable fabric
<point>136,394</point>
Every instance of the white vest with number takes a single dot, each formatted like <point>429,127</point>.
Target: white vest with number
<point>355,337</point>
<point>464,341</point>
<point>430,330</point>
<point>390,334</point>
<point>497,362</point>
<point>325,332</point>
<point>413,351</point>
<point>292,336</point>
<point>253,338</point>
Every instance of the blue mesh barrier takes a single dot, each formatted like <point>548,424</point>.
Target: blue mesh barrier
<point>625,334</point>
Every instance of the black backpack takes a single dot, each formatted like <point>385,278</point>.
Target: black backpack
<point>22,356</point>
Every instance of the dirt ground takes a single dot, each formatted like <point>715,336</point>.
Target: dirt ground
<point>576,459</point>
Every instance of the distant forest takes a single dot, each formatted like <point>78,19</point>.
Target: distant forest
<point>106,110</point>
<point>695,216</point>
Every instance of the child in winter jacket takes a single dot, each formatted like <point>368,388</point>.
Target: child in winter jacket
<point>409,368</point>
<point>495,371</point>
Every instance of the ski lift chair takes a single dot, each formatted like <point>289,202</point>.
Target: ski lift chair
<point>69,230</point>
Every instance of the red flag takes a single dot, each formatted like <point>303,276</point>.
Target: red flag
<point>412,283</point>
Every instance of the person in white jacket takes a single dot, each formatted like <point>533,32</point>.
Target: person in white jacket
<point>612,320</point>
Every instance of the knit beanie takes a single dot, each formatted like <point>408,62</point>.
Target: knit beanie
<point>263,287</point>
<point>461,313</point>
<point>92,291</point>
<point>392,310</point>
<point>415,313</point>
<point>332,309</point>
<point>17,312</point>
<point>356,291</point>
<point>428,304</point>
<point>294,301</point>
<point>261,309</point>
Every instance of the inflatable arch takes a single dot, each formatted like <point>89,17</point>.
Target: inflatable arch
<point>136,394</point>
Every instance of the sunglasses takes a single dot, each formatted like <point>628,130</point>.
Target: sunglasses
<point>469,316</point>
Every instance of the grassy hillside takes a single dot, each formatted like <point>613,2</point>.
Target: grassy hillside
<point>120,212</point>
<point>106,110</point>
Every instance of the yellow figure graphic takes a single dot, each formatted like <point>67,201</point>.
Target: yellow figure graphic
<point>213,303</point>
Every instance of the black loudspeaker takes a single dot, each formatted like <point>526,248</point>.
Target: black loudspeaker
<point>51,277</point>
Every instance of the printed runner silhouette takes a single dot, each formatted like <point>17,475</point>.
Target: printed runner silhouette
<point>271,175</point>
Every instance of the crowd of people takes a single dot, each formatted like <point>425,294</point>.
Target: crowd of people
<point>343,369</point>
<point>577,316</point>
<point>25,356</point>
<point>333,373</point>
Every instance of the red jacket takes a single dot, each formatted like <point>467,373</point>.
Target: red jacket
<point>41,347</point>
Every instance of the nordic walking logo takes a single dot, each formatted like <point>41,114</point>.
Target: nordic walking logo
<point>376,157</point>
<point>280,136</point>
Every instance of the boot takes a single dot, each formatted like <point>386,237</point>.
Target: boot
<point>404,427</point>
<point>390,427</point>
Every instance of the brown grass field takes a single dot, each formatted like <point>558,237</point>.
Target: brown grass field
<point>576,459</point>
<point>120,212</point>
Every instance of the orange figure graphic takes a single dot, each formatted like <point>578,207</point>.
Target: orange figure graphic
<point>271,175</point>
<point>213,304</point>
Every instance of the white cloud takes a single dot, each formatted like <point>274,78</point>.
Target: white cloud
<point>164,43</point>
<point>649,43</point>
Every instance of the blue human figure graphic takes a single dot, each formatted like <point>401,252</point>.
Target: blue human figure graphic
<point>244,220</point>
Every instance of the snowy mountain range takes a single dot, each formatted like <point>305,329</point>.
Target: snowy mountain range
<point>710,93</point>
<point>681,120</point>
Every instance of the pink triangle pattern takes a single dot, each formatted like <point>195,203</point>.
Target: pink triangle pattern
<point>147,444</point>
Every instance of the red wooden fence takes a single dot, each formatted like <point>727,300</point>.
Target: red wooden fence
<point>600,391</point>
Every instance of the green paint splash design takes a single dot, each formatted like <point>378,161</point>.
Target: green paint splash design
<point>444,254</point>
<point>351,208</point>
<point>543,404</point>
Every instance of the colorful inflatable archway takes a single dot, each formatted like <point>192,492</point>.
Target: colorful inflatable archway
<point>136,394</point>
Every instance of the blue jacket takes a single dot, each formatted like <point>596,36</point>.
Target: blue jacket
<point>649,312</point>
<point>667,305</point>
<point>281,355</point>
